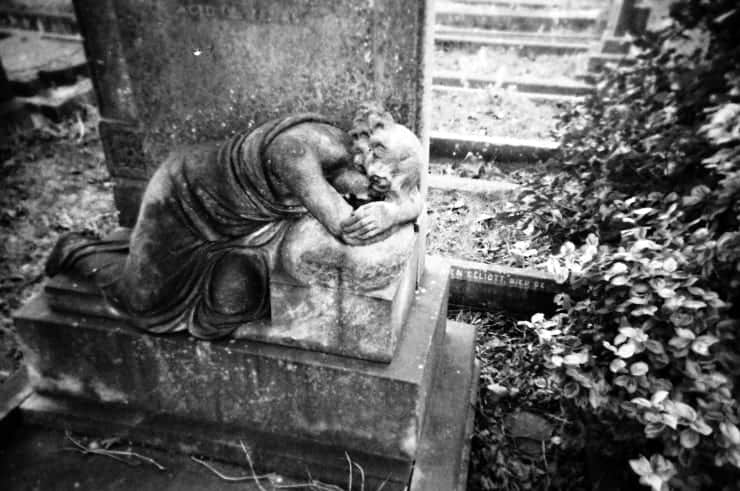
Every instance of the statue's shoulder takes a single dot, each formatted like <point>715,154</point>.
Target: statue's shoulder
<point>327,142</point>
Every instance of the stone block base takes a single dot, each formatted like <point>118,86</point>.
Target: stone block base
<point>355,404</point>
<point>441,460</point>
<point>337,319</point>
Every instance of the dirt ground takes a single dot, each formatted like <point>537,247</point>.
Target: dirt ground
<point>509,63</point>
<point>53,180</point>
<point>493,112</point>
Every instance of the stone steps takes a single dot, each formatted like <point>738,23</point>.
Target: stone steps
<point>523,84</point>
<point>524,19</point>
<point>449,144</point>
<point>534,96</point>
<point>535,4</point>
<point>58,103</point>
<point>35,60</point>
<point>529,42</point>
<point>490,189</point>
<point>38,20</point>
<point>47,74</point>
<point>557,37</point>
<point>598,62</point>
<point>540,26</point>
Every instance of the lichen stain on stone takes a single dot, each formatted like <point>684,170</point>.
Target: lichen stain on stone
<point>410,440</point>
<point>187,449</point>
<point>34,376</point>
<point>203,352</point>
<point>66,384</point>
<point>106,394</point>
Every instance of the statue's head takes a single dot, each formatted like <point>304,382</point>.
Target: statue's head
<point>390,153</point>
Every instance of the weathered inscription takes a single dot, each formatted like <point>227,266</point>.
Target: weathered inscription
<point>498,279</point>
<point>249,12</point>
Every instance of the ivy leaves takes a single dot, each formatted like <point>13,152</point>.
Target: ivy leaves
<point>650,253</point>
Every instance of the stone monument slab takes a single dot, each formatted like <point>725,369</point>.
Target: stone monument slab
<point>441,460</point>
<point>180,71</point>
<point>356,311</point>
<point>354,404</point>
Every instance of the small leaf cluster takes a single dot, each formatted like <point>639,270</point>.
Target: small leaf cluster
<point>647,212</point>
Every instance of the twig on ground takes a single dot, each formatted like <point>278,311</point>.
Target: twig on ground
<point>251,466</point>
<point>80,127</point>
<point>362,476</point>
<point>272,478</point>
<point>382,484</point>
<point>349,461</point>
<point>544,454</point>
<point>225,477</point>
<point>114,454</point>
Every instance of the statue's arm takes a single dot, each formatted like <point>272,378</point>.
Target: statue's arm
<point>408,206</point>
<point>299,169</point>
<point>375,221</point>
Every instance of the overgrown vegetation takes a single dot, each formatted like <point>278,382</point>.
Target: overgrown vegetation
<point>647,209</point>
<point>514,382</point>
<point>53,180</point>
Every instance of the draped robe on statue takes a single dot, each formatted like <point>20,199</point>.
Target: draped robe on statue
<point>200,253</point>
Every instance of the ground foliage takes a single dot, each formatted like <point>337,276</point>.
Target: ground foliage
<point>53,180</point>
<point>514,380</point>
<point>647,209</point>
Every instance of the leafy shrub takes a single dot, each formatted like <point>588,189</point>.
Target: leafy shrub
<point>647,210</point>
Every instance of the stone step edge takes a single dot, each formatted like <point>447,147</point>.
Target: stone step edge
<point>14,390</point>
<point>453,8</point>
<point>524,84</point>
<point>457,145</point>
<point>540,46</point>
<point>490,189</point>
<point>62,101</point>
<point>573,36</point>
<point>535,4</point>
<point>490,287</point>
<point>598,62</point>
<point>574,41</point>
<point>534,96</point>
<point>46,21</point>
<point>523,36</point>
<point>44,79</point>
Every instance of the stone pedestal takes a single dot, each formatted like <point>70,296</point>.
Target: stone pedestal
<point>177,71</point>
<point>327,296</point>
<point>296,410</point>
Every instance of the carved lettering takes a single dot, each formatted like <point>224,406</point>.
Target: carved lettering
<point>488,277</point>
<point>290,14</point>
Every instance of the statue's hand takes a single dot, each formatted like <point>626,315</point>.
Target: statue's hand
<point>368,221</point>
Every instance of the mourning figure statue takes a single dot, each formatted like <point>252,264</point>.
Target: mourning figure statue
<point>213,217</point>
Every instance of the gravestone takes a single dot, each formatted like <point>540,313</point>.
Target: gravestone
<point>179,71</point>
<point>342,373</point>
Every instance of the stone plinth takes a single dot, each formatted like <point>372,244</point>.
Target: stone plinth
<point>353,404</point>
<point>441,460</point>
<point>330,297</point>
<point>178,71</point>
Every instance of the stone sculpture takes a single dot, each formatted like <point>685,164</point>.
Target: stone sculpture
<point>214,218</point>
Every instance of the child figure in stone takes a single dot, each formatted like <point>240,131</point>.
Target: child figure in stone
<point>214,216</point>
